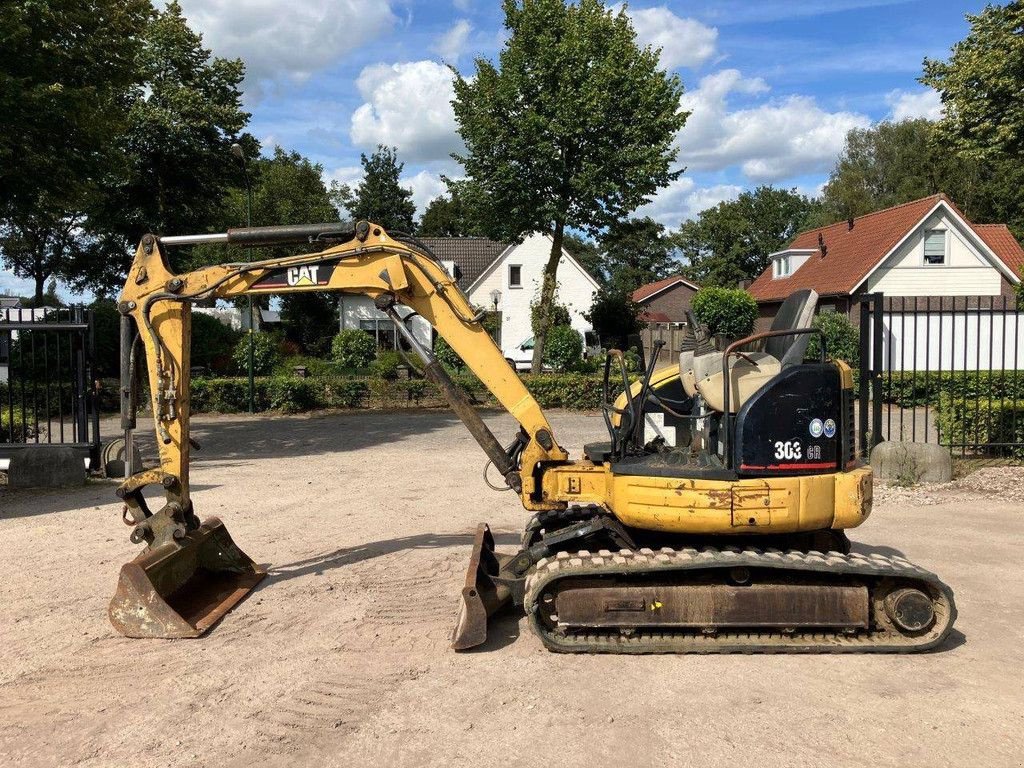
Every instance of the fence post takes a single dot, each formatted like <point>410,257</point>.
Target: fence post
<point>864,394</point>
<point>876,369</point>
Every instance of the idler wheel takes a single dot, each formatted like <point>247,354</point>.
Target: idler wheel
<point>911,610</point>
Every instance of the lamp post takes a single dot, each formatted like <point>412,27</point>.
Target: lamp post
<point>237,151</point>
<point>495,298</point>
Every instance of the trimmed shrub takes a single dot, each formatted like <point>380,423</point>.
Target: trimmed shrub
<point>842,339</point>
<point>447,356</point>
<point>981,420</point>
<point>353,348</point>
<point>727,311</point>
<point>564,348</point>
<point>265,353</point>
<point>386,365</point>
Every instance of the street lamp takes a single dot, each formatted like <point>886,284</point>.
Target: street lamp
<point>495,298</point>
<point>237,151</point>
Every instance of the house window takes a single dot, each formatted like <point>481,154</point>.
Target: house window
<point>515,275</point>
<point>383,332</point>
<point>935,246</point>
<point>782,266</point>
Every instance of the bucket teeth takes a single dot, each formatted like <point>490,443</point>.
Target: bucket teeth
<point>182,589</point>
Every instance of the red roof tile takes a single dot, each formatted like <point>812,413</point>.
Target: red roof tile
<point>1002,242</point>
<point>645,292</point>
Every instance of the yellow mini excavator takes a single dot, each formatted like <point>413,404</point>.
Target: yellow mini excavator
<point>712,519</point>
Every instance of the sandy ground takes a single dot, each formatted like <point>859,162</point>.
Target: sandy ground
<point>341,657</point>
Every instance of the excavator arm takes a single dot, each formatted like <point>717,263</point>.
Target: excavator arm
<point>396,272</point>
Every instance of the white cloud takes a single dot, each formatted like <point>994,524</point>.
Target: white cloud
<point>683,42</point>
<point>682,199</point>
<point>453,42</point>
<point>292,42</point>
<point>408,106</point>
<point>463,5</point>
<point>426,186</point>
<point>15,286</point>
<point>771,141</point>
<point>911,104</point>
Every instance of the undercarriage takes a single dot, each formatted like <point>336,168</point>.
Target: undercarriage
<point>587,584</point>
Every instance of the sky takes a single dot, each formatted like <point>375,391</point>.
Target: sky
<point>773,85</point>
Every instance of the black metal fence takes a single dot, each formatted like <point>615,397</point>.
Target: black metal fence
<point>944,370</point>
<point>46,392</point>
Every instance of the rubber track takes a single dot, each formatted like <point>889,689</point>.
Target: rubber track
<point>881,638</point>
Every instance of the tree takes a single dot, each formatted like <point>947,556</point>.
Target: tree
<point>615,317</point>
<point>176,163</point>
<point>731,241</point>
<point>64,70</point>
<point>573,129</point>
<point>889,164</point>
<point>286,189</point>
<point>981,86</point>
<point>445,217</point>
<point>379,197</point>
<point>636,252</point>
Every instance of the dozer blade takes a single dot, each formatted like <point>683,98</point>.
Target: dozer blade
<point>483,595</point>
<point>184,588</point>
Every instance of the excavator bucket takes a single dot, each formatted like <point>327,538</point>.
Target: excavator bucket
<point>483,595</point>
<point>181,589</point>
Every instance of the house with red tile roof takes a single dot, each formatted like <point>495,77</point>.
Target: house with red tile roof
<point>923,248</point>
<point>665,301</point>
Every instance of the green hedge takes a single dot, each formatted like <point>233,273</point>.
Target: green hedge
<point>910,389</point>
<point>291,394</point>
<point>982,421</point>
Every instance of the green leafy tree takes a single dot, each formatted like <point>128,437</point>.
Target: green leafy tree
<point>573,128</point>
<point>893,163</point>
<point>65,68</point>
<point>732,241</point>
<point>615,317</point>
<point>727,311</point>
<point>445,216</point>
<point>176,164</point>
<point>981,86</point>
<point>287,188</point>
<point>380,197</point>
<point>636,252</point>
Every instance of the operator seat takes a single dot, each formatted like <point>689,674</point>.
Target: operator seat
<point>702,373</point>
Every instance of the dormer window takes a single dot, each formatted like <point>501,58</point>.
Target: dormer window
<point>783,266</point>
<point>935,247</point>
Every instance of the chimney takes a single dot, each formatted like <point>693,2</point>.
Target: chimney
<point>821,245</point>
<point>849,224</point>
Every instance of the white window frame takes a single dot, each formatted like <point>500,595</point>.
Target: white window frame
<point>945,247</point>
<point>779,262</point>
<point>509,275</point>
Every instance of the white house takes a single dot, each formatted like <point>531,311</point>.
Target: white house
<point>926,247</point>
<point>489,270</point>
<point>930,263</point>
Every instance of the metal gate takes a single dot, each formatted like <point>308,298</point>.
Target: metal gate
<point>869,401</point>
<point>946,370</point>
<point>46,393</point>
